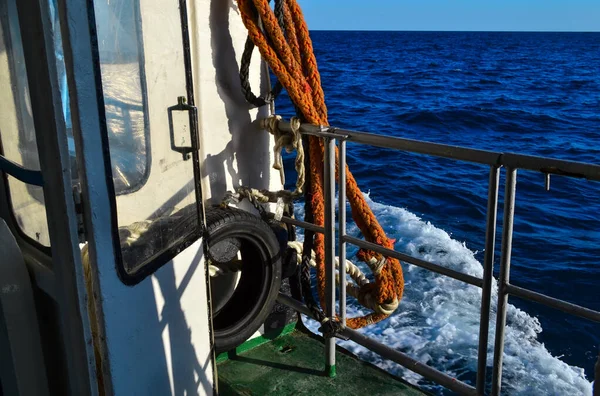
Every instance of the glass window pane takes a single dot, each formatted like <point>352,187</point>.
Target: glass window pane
<point>121,67</point>
<point>30,212</point>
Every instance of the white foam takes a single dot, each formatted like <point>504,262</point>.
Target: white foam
<point>438,319</point>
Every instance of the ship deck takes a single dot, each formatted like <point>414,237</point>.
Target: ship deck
<point>293,363</point>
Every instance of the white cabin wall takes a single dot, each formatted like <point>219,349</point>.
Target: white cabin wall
<point>236,151</point>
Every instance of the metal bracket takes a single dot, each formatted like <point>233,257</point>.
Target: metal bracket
<point>340,335</point>
<point>192,117</point>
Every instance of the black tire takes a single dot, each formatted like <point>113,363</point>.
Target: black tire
<point>247,305</point>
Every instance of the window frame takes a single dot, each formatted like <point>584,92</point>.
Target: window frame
<point>153,263</point>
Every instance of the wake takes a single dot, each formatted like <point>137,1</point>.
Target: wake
<point>437,322</point>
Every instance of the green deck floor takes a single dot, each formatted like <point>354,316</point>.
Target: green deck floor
<point>294,364</point>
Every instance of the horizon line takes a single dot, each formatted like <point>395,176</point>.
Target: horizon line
<point>456,31</point>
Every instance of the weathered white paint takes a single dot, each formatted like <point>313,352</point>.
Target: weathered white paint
<point>236,151</point>
<point>133,320</point>
<point>156,332</point>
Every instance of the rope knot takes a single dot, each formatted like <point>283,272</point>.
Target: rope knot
<point>368,300</point>
<point>290,141</point>
<point>377,265</point>
<point>271,123</point>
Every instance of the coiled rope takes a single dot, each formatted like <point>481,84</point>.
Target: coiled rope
<point>289,53</point>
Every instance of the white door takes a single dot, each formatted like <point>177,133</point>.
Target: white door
<point>152,320</point>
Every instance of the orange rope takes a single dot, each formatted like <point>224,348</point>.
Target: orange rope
<point>293,62</point>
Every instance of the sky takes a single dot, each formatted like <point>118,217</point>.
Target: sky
<point>479,15</point>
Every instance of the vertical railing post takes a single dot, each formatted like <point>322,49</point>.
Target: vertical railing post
<point>329,192</point>
<point>488,272</point>
<point>596,390</point>
<point>507,234</point>
<point>342,227</point>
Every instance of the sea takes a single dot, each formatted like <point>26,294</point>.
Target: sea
<point>530,93</point>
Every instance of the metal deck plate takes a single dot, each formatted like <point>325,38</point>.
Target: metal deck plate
<point>293,364</point>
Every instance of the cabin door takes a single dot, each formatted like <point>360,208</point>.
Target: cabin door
<point>132,107</point>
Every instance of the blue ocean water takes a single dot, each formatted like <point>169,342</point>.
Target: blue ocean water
<point>534,93</point>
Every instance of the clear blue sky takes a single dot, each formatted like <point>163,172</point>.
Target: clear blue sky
<point>519,15</point>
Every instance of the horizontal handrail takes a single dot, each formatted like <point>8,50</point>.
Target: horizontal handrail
<point>544,165</point>
<point>25,175</point>
<point>552,302</point>
<point>471,280</point>
<point>308,226</point>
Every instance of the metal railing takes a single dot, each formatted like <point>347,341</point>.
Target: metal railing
<point>495,160</point>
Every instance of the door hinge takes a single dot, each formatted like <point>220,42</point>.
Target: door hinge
<point>78,199</point>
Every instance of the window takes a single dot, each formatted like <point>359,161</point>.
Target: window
<point>143,75</point>
<point>17,132</point>
<point>121,62</point>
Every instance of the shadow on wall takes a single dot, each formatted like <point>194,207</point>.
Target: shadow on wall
<point>249,145</point>
<point>161,341</point>
<point>248,151</point>
<point>184,360</point>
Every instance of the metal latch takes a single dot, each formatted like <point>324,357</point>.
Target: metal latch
<point>183,123</point>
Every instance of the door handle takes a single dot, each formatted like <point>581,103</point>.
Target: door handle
<point>183,123</point>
